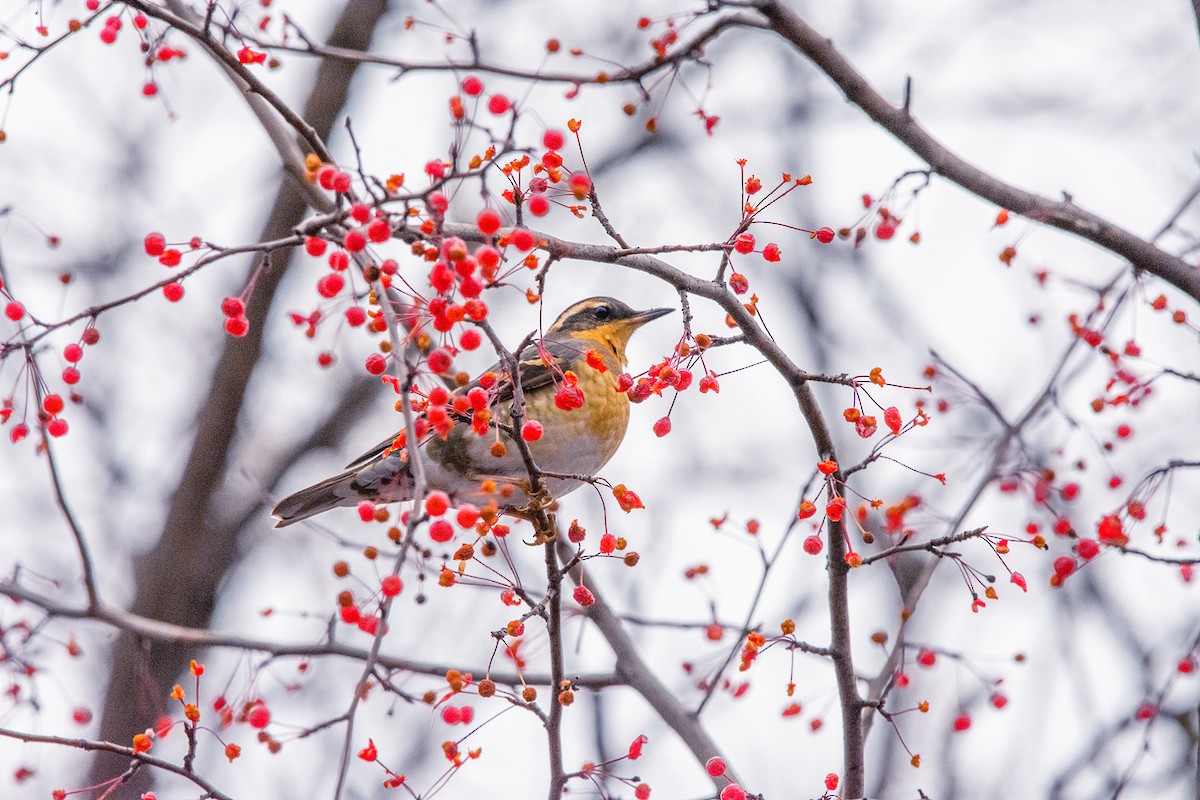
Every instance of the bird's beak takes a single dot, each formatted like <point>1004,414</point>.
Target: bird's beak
<point>642,317</point>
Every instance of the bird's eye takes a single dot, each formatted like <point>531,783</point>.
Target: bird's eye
<point>602,312</point>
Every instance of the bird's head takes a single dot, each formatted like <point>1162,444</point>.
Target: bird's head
<point>605,320</point>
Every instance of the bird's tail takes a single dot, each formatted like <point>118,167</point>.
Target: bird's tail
<point>329,493</point>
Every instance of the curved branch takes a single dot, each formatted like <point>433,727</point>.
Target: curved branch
<point>158,631</point>
<point>128,752</point>
<point>896,120</point>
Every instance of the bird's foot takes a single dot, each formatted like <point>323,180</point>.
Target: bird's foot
<point>545,527</point>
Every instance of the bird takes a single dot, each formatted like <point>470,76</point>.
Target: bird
<point>570,381</point>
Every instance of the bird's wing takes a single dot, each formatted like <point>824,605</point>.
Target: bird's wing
<point>533,369</point>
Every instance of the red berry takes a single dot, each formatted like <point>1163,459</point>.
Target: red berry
<point>531,431</point>
<point>258,716</point>
<point>82,716</point>
<point>355,241</point>
<point>926,658</point>
<point>466,516</point>
<point>90,335</point>
<point>173,292</point>
<point>488,222</point>
<point>733,792</point>
<point>772,253</point>
<point>441,278</point>
<point>715,766</point>
<point>662,427</point>
<point>1063,566</point>
<point>315,246</point>
<point>233,307</point>
<point>813,544</point>
<point>437,503</point>
<point>470,339</point>
<point>155,244</point>
<point>326,176</point>
<point>522,239</point>
<point>539,206</point>
<point>580,184</point>
<point>70,376</point>
<point>439,396</point>
<point>441,531</point>
<point>52,403</point>
<point>1087,549</point>
<point>72,353</point>
<point>360,212</point>
<point>379,230</point>
<point>553,140</point>
<point>584,596</point>
<point>568,397</point>
<point>149,89</point>
<point>391,586</point>
<point>831,781</point>
<point>438,203</point>
<point>14,310</point>
<point>825,235</point>
<point>330,284</point>
<point>376,364</point>
<point>366,511</point>
<point>499,104</point>
<point>487,256</point>
<point>891,417</point>
<point>472,86</point>
<point>962,722</point>
<point>439,362</point>
<point>355,316</point>
<point>325,359</point>
<point>885,231</point>
<point>18,432</point>
<point>237,326</point>
<point>170,258</point>
<point>835,508</point>
<point>1110,531</point>
<point>744,243</point>
<point>56,427</point>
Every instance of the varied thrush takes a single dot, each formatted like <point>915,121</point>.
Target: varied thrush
<point>570,382</point>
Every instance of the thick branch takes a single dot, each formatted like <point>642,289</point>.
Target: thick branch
<point>640,677</point>
<point>200,638</point>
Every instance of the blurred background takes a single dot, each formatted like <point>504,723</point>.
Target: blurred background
<point>185,437</point>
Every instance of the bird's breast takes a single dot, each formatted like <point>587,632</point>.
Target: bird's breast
<point>576,442</point>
